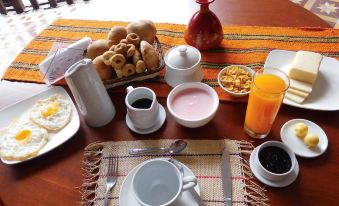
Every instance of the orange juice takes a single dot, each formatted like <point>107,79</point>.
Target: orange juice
<point>266,95</point>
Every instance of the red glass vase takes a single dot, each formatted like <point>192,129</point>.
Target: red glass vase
<point>204,30</point>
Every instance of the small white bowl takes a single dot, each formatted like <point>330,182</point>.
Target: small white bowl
<point>193,122</point>
<point>235,94</point>
<point>271,175</point>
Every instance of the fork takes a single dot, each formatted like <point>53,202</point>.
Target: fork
<point>111,176</point>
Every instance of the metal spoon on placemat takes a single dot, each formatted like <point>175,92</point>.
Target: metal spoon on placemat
<point>174,148</point>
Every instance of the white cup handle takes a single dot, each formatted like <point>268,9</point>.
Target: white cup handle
<point>189,182</point>
<point>129,89</point>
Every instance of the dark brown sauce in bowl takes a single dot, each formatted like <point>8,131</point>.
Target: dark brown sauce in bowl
<point>275,159</point>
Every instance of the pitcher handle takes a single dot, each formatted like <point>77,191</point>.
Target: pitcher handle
<point>189,182</point>
<point>129,89</point>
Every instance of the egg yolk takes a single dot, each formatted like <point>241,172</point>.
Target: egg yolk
<point>52,109</point>
<point>23,135</point>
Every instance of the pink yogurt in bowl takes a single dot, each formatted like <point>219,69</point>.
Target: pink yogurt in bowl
<point>193,104</point>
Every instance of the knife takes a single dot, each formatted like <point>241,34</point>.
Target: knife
<point>226,177</point>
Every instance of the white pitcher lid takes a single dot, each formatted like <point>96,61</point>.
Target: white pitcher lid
<point>182,57</point>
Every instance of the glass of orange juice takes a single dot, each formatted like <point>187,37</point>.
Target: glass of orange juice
<point>267,92</point>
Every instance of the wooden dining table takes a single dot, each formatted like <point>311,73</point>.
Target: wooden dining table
<point>53,178</point>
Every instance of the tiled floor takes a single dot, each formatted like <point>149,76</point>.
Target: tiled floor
<point>328,10</point>
<point>17,30</point>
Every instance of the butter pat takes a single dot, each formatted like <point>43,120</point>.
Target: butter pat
<point>305,66</point>
<point>294,98</point>
<point>301,86</point>
<point>298,92</point>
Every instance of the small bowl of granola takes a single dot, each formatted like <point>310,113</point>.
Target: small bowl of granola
<point>236,80</point>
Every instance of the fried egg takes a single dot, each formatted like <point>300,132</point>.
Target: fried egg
<point>22,140</point>
<point>52,113</point>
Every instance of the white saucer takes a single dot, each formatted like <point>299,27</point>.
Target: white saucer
<point>297,145</point>
<point>289,179</point>
<point>126,197</point>
<point>159,122</point>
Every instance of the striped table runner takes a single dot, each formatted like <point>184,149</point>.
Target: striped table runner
<point>245,45</point>
<point>201,156</point>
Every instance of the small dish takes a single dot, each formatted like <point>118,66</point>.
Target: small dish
<point>271,148</point>
<point>297,145</point>
<point>193,104</point>
<point>232,93</point>
<point>183,65</point>
<point>159,122</point>
<point>21,110</point>
<point>127,198</point>
<point>282,183</point>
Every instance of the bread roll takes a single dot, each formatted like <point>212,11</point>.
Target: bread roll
<point>97,48</point>
<point>145,29</point>
<point>104,71</point>
<point>149,55</point>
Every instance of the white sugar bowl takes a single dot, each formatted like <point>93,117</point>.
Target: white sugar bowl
<point>183,65</point>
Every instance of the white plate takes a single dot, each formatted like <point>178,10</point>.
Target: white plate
<point>283,183</point>
<point>126,197</point>
<point>21,110</point>
<point>297,145</point>
<point>325,95</point>
<point>159,122</point>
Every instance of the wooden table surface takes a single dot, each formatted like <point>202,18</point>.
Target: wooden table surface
<point>52,178</point>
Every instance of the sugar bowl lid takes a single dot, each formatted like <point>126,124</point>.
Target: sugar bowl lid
<point>182,57</point>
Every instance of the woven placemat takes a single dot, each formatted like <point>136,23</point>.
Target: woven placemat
<point>201,156</point>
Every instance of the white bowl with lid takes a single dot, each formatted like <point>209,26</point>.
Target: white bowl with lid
<point>183,65</point>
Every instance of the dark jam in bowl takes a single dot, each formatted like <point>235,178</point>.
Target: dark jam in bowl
<point>275,159</point>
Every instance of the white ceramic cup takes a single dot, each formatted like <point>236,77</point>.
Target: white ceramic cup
<point>142,118</point>
<point>159,182</point>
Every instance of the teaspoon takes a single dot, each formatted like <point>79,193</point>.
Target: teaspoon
<point>174,148</point>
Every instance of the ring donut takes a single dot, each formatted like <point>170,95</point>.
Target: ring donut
<point>140,66</point>
<point>123,41</point>
<point>133,38</point>
<point>120,48</point>
<point>130,50</point>
<point>128,70</point>
<point>107,57</point>
<point>118,61</point>
<point>112,48</point>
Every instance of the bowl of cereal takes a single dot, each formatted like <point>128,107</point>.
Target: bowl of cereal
<point>236,80</point>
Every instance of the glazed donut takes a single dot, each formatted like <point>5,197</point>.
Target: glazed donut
<point>130,50</point>
<point>140,66</point>
<point>118,61</point>
<point>136,56</point>
<point>133,38</point>
<point>128,70</point>
<point>120,48</point>
<point>107,57</point>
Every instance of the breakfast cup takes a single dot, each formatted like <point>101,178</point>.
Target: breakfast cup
<point>159,182</point>
<point>142,107</point>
